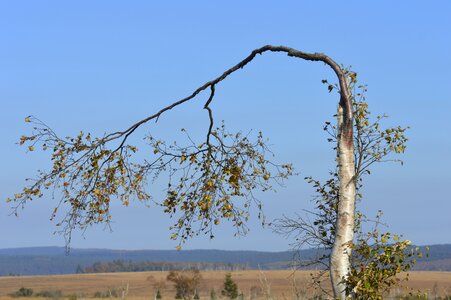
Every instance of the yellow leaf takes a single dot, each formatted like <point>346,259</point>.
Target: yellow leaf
<point>27,119</point>
<point>31,148</point>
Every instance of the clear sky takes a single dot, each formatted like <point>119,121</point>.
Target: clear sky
<point>100,65</point>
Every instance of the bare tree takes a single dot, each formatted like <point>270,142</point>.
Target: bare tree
<point>90,171</point>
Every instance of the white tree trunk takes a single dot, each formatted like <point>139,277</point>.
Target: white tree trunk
<point>341,252</point>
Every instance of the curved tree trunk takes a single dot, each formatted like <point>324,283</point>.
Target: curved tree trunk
<point>341,252</point>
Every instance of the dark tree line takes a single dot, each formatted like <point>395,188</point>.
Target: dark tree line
<point>140,266</point>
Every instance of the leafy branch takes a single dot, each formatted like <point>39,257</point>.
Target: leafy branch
<point>377,257</point>
<point>89,173</point>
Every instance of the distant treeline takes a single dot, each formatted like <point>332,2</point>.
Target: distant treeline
<point>54,260</point>
<point>141,266</point>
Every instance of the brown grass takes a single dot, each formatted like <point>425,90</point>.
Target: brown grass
<point>278,283</point>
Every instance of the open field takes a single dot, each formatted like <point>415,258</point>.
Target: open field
<point>141,285</point>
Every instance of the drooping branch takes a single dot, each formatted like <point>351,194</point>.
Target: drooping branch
<point>228,165</point>
<point>89,173</point>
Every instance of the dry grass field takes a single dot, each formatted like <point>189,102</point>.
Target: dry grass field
<point>141,285</point>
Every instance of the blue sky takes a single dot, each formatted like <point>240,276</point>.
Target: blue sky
<point>98,66</point>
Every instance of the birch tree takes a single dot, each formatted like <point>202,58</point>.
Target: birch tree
<point>204,180</point>
<point>377,257</point>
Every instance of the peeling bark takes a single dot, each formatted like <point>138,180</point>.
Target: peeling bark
<point>341,252</point>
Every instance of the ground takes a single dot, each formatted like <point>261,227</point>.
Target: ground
<point>279,284</point>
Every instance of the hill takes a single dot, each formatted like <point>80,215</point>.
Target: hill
<point>55,260</point>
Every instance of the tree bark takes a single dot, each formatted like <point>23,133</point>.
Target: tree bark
<point>340,263</point>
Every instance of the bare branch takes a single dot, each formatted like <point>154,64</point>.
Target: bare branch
<point>344,100</point>
<point>210,113</point>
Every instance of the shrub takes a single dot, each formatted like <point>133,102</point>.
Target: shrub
<point>49,294</point>
<point>22,292</point>
<point>213,295</point>
<point>106,294</point>
<point>186,283</point>
<point>255,292</point>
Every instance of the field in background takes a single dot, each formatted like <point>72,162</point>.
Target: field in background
<point>141,285</point>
